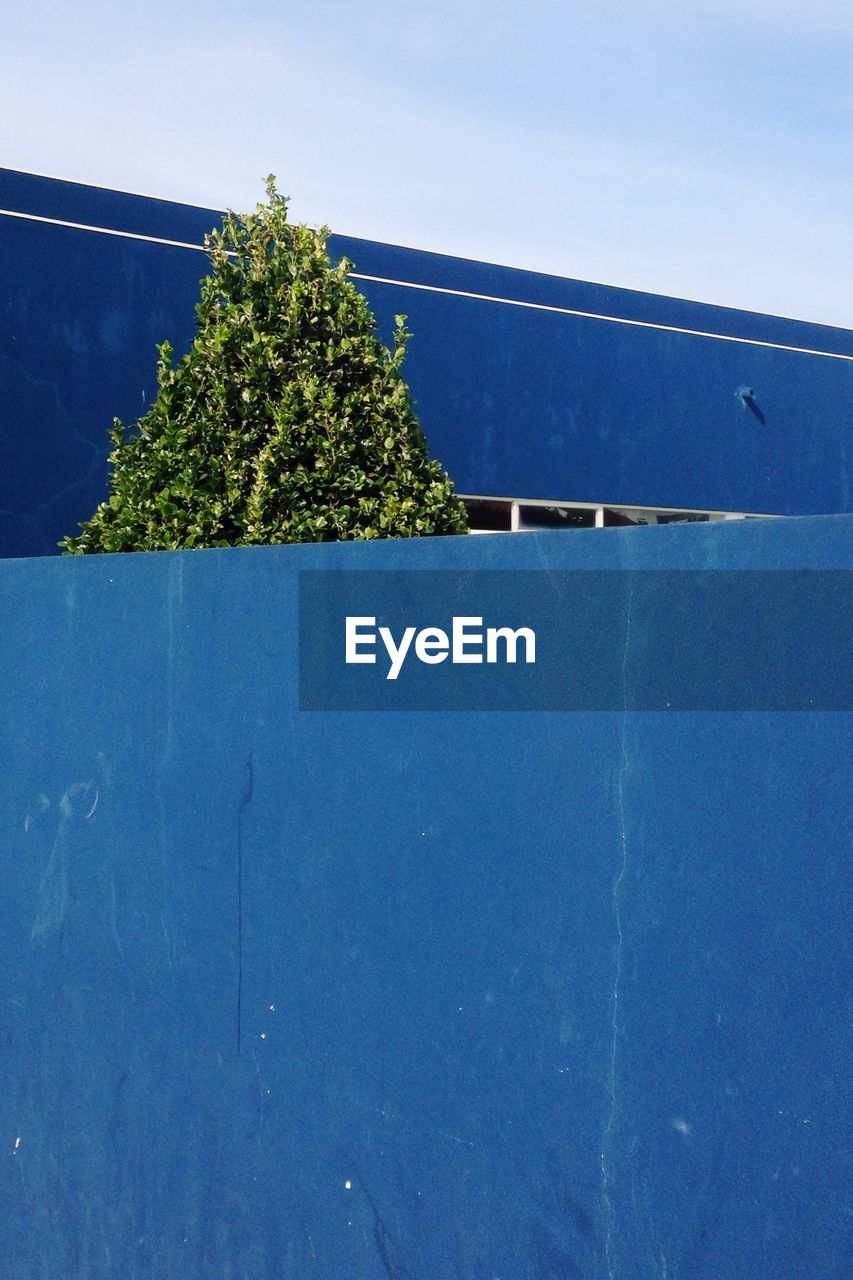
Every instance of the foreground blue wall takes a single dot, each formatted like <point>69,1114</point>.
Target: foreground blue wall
<point>325,996</point>
<point>516,400</point>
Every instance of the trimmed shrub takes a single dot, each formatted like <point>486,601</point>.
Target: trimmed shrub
<point>287,420</point>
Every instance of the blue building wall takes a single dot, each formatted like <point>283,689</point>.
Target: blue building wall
<point>493,995</point>
<point>631,401</point>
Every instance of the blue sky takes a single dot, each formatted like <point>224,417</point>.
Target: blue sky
<point>697,149</point>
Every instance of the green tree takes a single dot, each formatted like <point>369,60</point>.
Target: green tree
<point>287,420</point>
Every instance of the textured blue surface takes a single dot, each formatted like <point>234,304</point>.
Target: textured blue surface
<point>515,400</point>
<point>325,996</point>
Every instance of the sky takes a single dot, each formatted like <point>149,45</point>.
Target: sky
<point>701,150</point>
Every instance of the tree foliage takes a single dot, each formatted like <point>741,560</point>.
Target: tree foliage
<point>287,420</point>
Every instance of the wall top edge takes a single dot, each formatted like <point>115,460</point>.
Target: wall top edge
<point>147,217</point>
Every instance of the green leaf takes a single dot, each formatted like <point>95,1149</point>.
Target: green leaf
<point>287,420</point>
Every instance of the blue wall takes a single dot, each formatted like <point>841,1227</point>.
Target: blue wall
<point>515,400</point>
<point>323,996</point>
